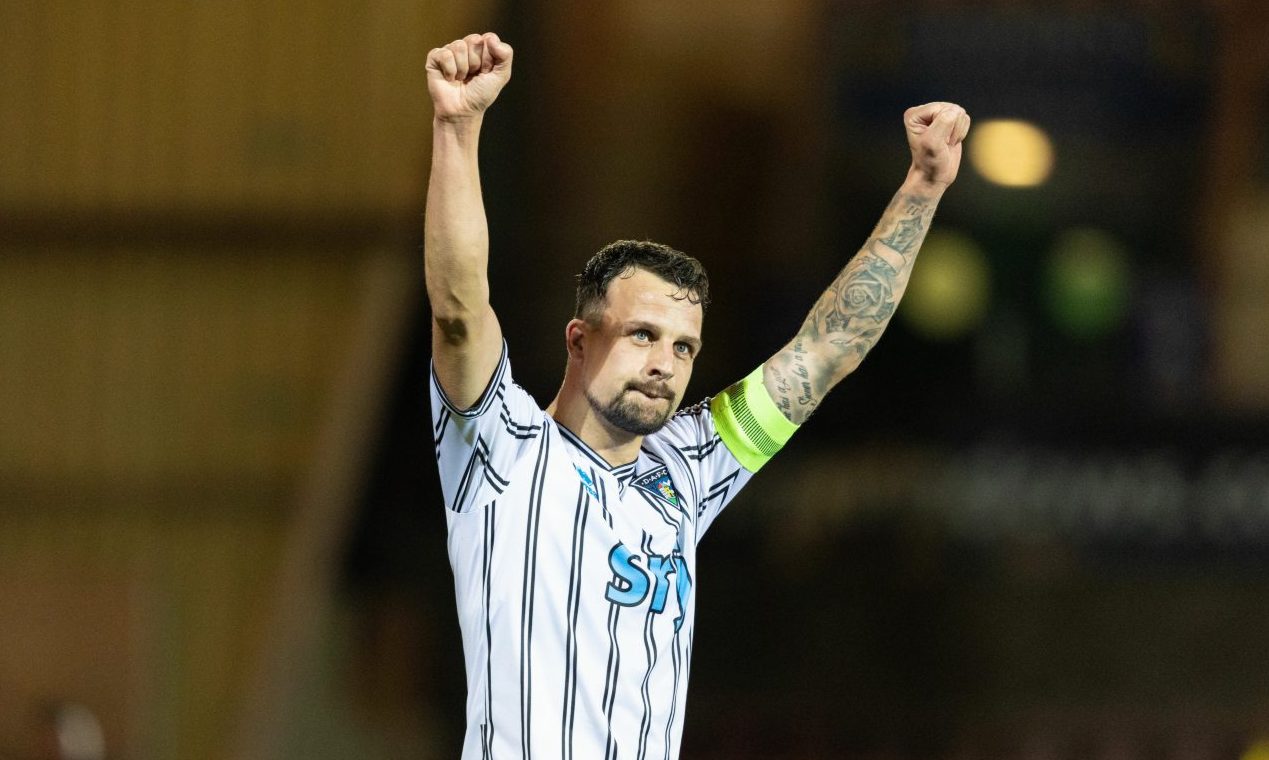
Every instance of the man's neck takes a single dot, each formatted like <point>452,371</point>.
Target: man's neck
<point>573,411</point>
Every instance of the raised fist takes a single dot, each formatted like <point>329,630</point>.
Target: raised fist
<point>935,133</point>
<point>466,75</point>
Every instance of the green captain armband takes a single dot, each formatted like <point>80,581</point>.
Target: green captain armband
<point>749,423</point>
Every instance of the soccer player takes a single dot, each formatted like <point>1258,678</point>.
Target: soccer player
<point>573,527</point>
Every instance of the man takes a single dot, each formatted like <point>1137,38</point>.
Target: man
<point>573,529</point>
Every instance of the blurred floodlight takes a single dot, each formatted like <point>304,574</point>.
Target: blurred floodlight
<point>79,735</point>
<point>950,288</point>
<point>1087,282</point>
<point>1011,153</point>
<point>1259,750</point>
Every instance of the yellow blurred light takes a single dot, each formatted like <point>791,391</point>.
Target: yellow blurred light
<point>1257,751</point>
<point>1011,153</point>
<point>950,287</point>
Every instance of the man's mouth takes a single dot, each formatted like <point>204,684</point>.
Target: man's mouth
<point>652,392</point>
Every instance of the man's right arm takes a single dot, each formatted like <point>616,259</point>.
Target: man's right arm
<point>463,78</point>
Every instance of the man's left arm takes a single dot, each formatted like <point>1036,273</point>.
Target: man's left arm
<point>852,313</point>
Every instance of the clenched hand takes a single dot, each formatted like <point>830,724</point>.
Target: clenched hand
<point>935,133</point>
<point>465,76</point>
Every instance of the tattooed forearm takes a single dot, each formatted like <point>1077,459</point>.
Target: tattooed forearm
<point>853,311</point>
<point>783,388</point>
<point>909,230</point>
<point>795,381</point>
<point>858,305</point>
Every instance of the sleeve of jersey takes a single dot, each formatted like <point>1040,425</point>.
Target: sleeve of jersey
<point>749,423</point>
<point>477,448</point>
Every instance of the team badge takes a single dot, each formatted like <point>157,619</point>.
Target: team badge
<point>658,483</point>
<point>587,483</point>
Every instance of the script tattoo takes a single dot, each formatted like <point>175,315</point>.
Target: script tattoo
<point>783,388</point>
<point>807,396</point>
<point>853,311</point>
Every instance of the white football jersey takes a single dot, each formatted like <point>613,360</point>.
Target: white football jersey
<point>576,580</point>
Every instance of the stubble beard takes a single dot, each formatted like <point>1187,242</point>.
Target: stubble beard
<point>625,414</point>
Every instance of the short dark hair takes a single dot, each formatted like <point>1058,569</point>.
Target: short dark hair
<point>621,258</point>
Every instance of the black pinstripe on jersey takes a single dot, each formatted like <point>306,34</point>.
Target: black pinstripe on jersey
<point>610,679</point>
<point>718,492</point>
<point>514,429</point>
<point>677,661</point>
<point>487,730</point>
<point>527,597</point>
<point>438,430</point>
<point>650,649</point>
<point>603,496</point>
<point>574,599</point>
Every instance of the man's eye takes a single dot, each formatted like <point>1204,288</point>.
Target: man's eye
<point>683,348</point>
<point>642,335</point>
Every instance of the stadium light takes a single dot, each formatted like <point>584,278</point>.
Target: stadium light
<point>1011,153</point>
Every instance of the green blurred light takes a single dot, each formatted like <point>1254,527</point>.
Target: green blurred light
<point>1087,283</point>
<point>950,288</point>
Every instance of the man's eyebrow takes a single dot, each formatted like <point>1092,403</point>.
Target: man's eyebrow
<point>637,324</point>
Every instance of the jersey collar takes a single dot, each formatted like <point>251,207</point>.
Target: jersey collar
<point>621,471</point>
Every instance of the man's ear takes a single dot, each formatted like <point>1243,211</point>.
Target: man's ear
<point>575,337</point>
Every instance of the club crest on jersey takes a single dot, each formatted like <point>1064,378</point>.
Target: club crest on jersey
<point>587,483</point>
<point>657,483</point>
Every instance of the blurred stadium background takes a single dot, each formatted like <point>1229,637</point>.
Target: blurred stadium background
<point>1034,526</point>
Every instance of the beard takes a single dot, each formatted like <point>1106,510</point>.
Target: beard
<point>626,413</point>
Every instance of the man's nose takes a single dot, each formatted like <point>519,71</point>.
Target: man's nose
<point>661,361</point>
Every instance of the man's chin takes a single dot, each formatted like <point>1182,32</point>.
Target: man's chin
<point>636,412</point>
<point>655,409</point>
<point>639,421</point>
<point>640,425</point>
